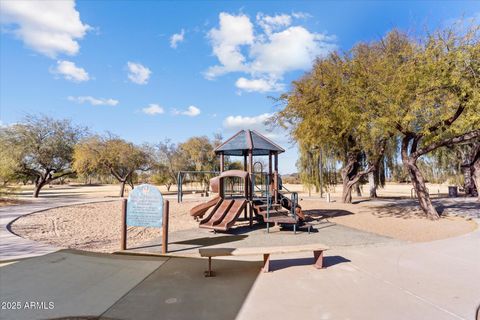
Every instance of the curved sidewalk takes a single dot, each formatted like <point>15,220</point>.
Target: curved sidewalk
<point>13,247</point>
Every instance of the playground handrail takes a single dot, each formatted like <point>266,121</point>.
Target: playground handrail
<point>294,200</point>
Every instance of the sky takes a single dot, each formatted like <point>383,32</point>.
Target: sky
<point>154,70</point>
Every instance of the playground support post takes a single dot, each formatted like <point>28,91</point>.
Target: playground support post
<point>269,200</point>
<point>276,178</point>
<point>123,238</point>
<point>179,187</point>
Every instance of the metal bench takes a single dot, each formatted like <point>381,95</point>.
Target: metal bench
<point>317,250</point>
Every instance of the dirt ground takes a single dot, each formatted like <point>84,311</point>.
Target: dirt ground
<point>381,217</point>
<point>96,226</point>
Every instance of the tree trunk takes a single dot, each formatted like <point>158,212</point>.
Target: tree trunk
<point>358,190</point>
<point>349,173</point>
<point>122,188</point>
<point>476,176</point>
<point>38,186</point>
<point>372,184</point>
<point>347,192</point>
<point>418,183</point>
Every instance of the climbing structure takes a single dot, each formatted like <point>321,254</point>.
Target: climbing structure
<point>239,190</point>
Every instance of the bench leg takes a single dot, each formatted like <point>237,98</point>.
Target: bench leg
<point>266,263</point>
<point>318,259</point>
<point>209,272</point>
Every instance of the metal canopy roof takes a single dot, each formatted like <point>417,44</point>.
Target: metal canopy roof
<point>244,141</point>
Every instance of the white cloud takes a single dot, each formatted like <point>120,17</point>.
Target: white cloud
<point>70,71</point>
<point>233,32</point>
<point>137,73</point>
<point>177,38</point>
<point>258,123</point>
<point>153,109</point>
<point>48,27</point>
<point>94,101</point>
<point>191,111</point>
<point>245,122</point>
<point>294,48</point>
<point>272,23</point>
<point>301,15</point>
<point>266,53</point>
<point>258,85</point>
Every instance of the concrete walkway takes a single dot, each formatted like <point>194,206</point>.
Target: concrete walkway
<point>71,284</point>
<point>13,247</point>
<point>433,280</point>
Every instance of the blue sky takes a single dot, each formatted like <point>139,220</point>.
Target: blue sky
<point>150,70</point>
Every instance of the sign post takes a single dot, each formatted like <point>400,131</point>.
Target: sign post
<point>145,208</point>
<point>123,241</point>
<point>165,227</point>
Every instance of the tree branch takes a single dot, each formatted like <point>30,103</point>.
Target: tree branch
<point>447,142</point>
<point>448,122</point>
<point>53,177</point>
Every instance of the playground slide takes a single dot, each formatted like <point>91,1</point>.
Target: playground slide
<point>229,220</point>
<point>200,210</point>
<point>217,214</point>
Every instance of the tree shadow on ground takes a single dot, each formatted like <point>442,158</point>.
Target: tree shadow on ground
<point>329,261</point>
<point>409,208</point>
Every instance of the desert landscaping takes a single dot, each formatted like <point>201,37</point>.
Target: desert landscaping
<point>96,226</point>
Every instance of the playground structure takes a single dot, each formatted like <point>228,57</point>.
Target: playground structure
<point>256,193</point>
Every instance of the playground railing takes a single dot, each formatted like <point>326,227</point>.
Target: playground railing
<point>293,208</point>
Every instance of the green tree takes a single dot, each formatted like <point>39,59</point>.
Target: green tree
<point>42,148</point>
<point>434,95</point>
<point>169,160</point>
<point>423,94</point>
<point>199,150</point>
<point>322,113</point>
<point>111,155</point>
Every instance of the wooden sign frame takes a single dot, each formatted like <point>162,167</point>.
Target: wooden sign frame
<point>166,211</point>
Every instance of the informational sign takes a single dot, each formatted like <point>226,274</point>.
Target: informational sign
<point>145,207</point>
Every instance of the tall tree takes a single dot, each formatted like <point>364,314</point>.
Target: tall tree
<point>435,97</point>
<point>321,113</point>
<point>424,94</point>
<point>111,155</point>
<point>43,148</point>
<point>200,152</point>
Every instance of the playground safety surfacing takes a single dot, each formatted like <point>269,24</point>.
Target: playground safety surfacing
<point>187,242</point>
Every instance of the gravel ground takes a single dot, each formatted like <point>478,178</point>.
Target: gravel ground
<point>96,227</point>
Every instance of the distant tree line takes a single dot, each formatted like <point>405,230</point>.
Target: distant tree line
<point>43,150</point>
<point>398,99</point>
